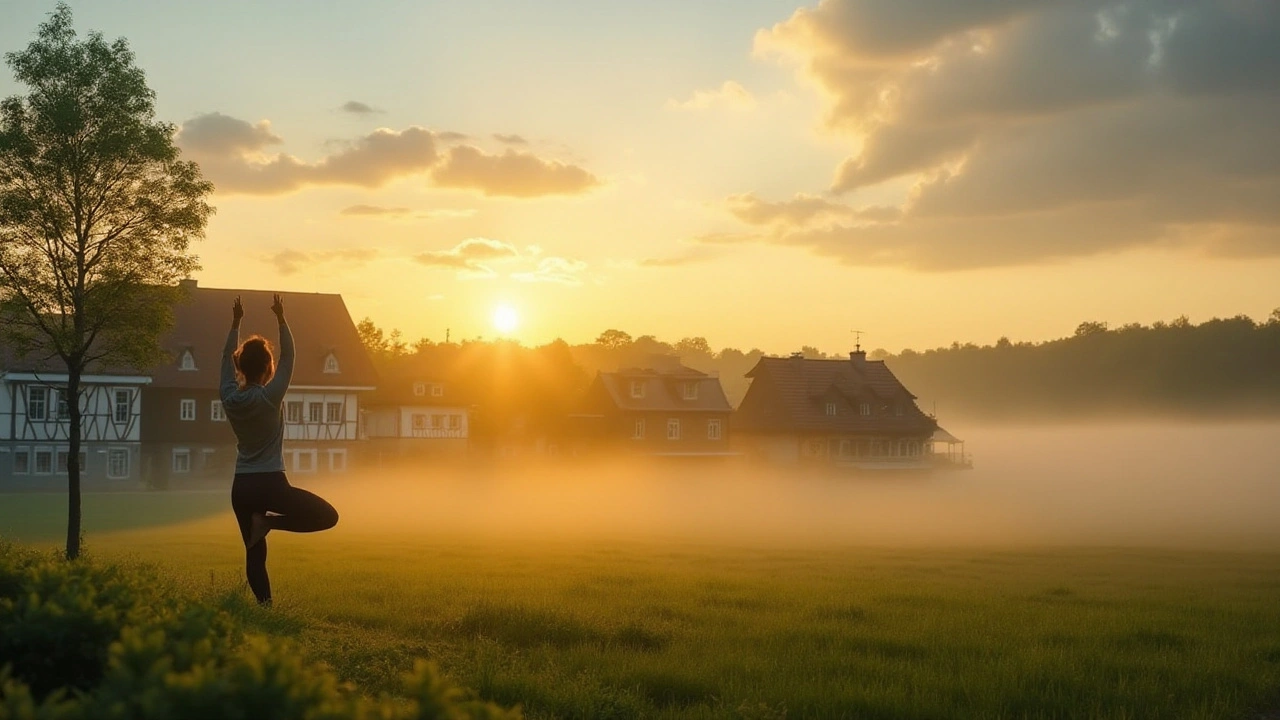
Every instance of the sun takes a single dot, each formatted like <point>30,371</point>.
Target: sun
<point>505,319</point>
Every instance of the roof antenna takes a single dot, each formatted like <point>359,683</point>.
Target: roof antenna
<point>857,340</point>
<point>446,336</point>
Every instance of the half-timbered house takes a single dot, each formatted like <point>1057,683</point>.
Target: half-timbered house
<point>184,430</point>
<point>853,413</point>
<point>35,425</point>
<point>417,411</point>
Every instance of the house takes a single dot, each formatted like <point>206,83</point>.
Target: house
<point>852,413</point>
<point>662,410</point>
<point>417,411</point>
<point>35,425</point>
<point>184,429</point>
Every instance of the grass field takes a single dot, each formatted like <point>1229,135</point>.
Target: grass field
<point>600,625</point>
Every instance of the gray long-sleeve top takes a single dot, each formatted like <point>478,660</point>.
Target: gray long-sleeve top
<point>255,412</point>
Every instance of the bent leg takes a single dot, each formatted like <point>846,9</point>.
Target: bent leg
<point>301,511</point>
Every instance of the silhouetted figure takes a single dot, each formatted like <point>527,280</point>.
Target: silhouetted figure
<point>253,404</point>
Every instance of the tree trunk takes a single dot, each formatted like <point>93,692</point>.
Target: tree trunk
<point>73,464</point>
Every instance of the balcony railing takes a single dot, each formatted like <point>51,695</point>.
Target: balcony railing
<point>439,433</point>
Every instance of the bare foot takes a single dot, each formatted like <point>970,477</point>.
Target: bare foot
<point>259,530</point>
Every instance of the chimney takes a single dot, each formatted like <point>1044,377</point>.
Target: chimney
<point>858,355</point>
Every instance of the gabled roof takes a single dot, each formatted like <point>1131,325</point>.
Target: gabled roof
<point>319,322</point>
<point>396,386</point>
<point>791,394</point>
<point>663,390</point>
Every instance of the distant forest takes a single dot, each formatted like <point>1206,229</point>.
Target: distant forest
<point>1218,368</point>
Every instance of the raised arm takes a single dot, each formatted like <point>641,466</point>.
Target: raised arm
<point>279,384</point>
<point>227,383</point>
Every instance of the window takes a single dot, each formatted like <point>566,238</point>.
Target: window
<point>897,409</point>
<point>122,407</point>
<point>38,403</point>
<point>437,390</point>
<point>673,429</point>
<point>637,388</point>
<point>333,412</point>
<point>437,422</point>
<point>187,409</point>
<point>117,463</point>
<point>331,364</point>
<point>637,432</point>
<point>419,421</point>
<point>305,461</point>
<point>61,457</point>
<point>419,389</point>
<point>689,391</point>
<point>216,413</point>
<point>64,412</point>
<point>713,429</point>
<point>44,461</point>
<point>831,408</point>
<point>188,361</point>
<point>293,411</point>
<point>865,408</point>
<point>21,462</point>
<point>337,461</point>
<point>455,422</point>
<point>181,460</point>
<point>315,412</point>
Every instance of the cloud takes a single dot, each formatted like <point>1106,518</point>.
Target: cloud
<point>690,256</point>
<point>217,134</point>
<point>798,211</point>
<point>374,210</point>
<point>355,107</point>
<point>510,139</point>
<point>729,95</point>
<point>471,256</point>
<point>554,269</point>
<point>288,262</point>
<point>404,212</point>
<point>511,174</point>
<point>1014,122</point>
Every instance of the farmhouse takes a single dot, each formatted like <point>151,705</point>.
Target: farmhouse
<point>664,410</point>
<point>850,412</point>
<point>184,430</point>
<point>417,411</point>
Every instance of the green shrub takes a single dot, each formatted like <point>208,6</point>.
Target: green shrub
<point>81,641</point>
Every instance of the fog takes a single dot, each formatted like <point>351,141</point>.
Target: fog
<point>1130,484</point>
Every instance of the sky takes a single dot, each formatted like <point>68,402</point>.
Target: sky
<point>760,173</point>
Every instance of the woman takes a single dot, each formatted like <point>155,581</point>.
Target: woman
<point>253,405</point>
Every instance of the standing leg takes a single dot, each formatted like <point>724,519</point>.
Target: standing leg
<point>301,511</point>
<point>247,499</point>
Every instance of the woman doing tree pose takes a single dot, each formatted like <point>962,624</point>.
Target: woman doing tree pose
<point>252,390</point>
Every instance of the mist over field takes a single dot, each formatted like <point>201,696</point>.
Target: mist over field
<point>1150,484</point>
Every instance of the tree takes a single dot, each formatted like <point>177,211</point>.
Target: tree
<point>97,214</point>
<point>613,339</point>
<point>694,346</point>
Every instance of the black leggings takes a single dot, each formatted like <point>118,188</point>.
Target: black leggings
<point>295,510</point>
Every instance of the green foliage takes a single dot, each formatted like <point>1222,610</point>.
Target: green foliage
<point>83,640</point>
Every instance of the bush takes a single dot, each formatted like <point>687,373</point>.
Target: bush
<point>82,640</point>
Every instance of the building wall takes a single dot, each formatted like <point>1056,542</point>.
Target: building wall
<point>693,432</point>
<point>98,420</point>
<point>101,467</point>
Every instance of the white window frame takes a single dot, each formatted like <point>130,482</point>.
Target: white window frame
<point>637,389</point>
<point>419,421</point>
<point>831,408</point>
<point>62,408</point>
<point>419,389</point>
<point>437,390</point>
<point>184,453</point>
<point>217,413</point>
<point>673,424</point>
<point>689,391</point>
<point>331,366</point>
<point>315,412</point>
<point>864,408</point>
<point>62,459</point>
<point>112,454</point>
<point>289,415</point>
<point>35,461</point>
<point>335,418</point>
<point>187,362</point>
<point>334,454</point>
<point>43,392</point>
<point>637,430</point>
<point>898,410</point>
<point>437,421</point>
<point>116,405</point>
<point>26,453</point>
<point>713,429</point>
<point>310,455</point>
<point>187,409</point>
<point>455,421</point>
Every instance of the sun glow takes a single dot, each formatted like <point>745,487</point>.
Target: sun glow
<point>505,319</point>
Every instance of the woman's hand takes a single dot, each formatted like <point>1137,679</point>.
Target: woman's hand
<point>277,307</point>
<point>237,312</point>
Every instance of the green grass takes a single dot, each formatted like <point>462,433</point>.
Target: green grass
<point>615,628</point>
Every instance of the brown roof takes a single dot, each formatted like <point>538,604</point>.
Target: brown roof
<point>319,322</point>
<point>397,381</point>
<point>791,394</point>
<point>663,390</point>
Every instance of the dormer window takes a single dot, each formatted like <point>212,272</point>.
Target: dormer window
<point>187,361</point>
<point>831,408</point>
<point>331,364</point>
<point>437,390</point>
<point>689,391</point>
<point>637,388</point>
<point>897,410</point>
<point>419,389</point>
<point>865,408</point>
